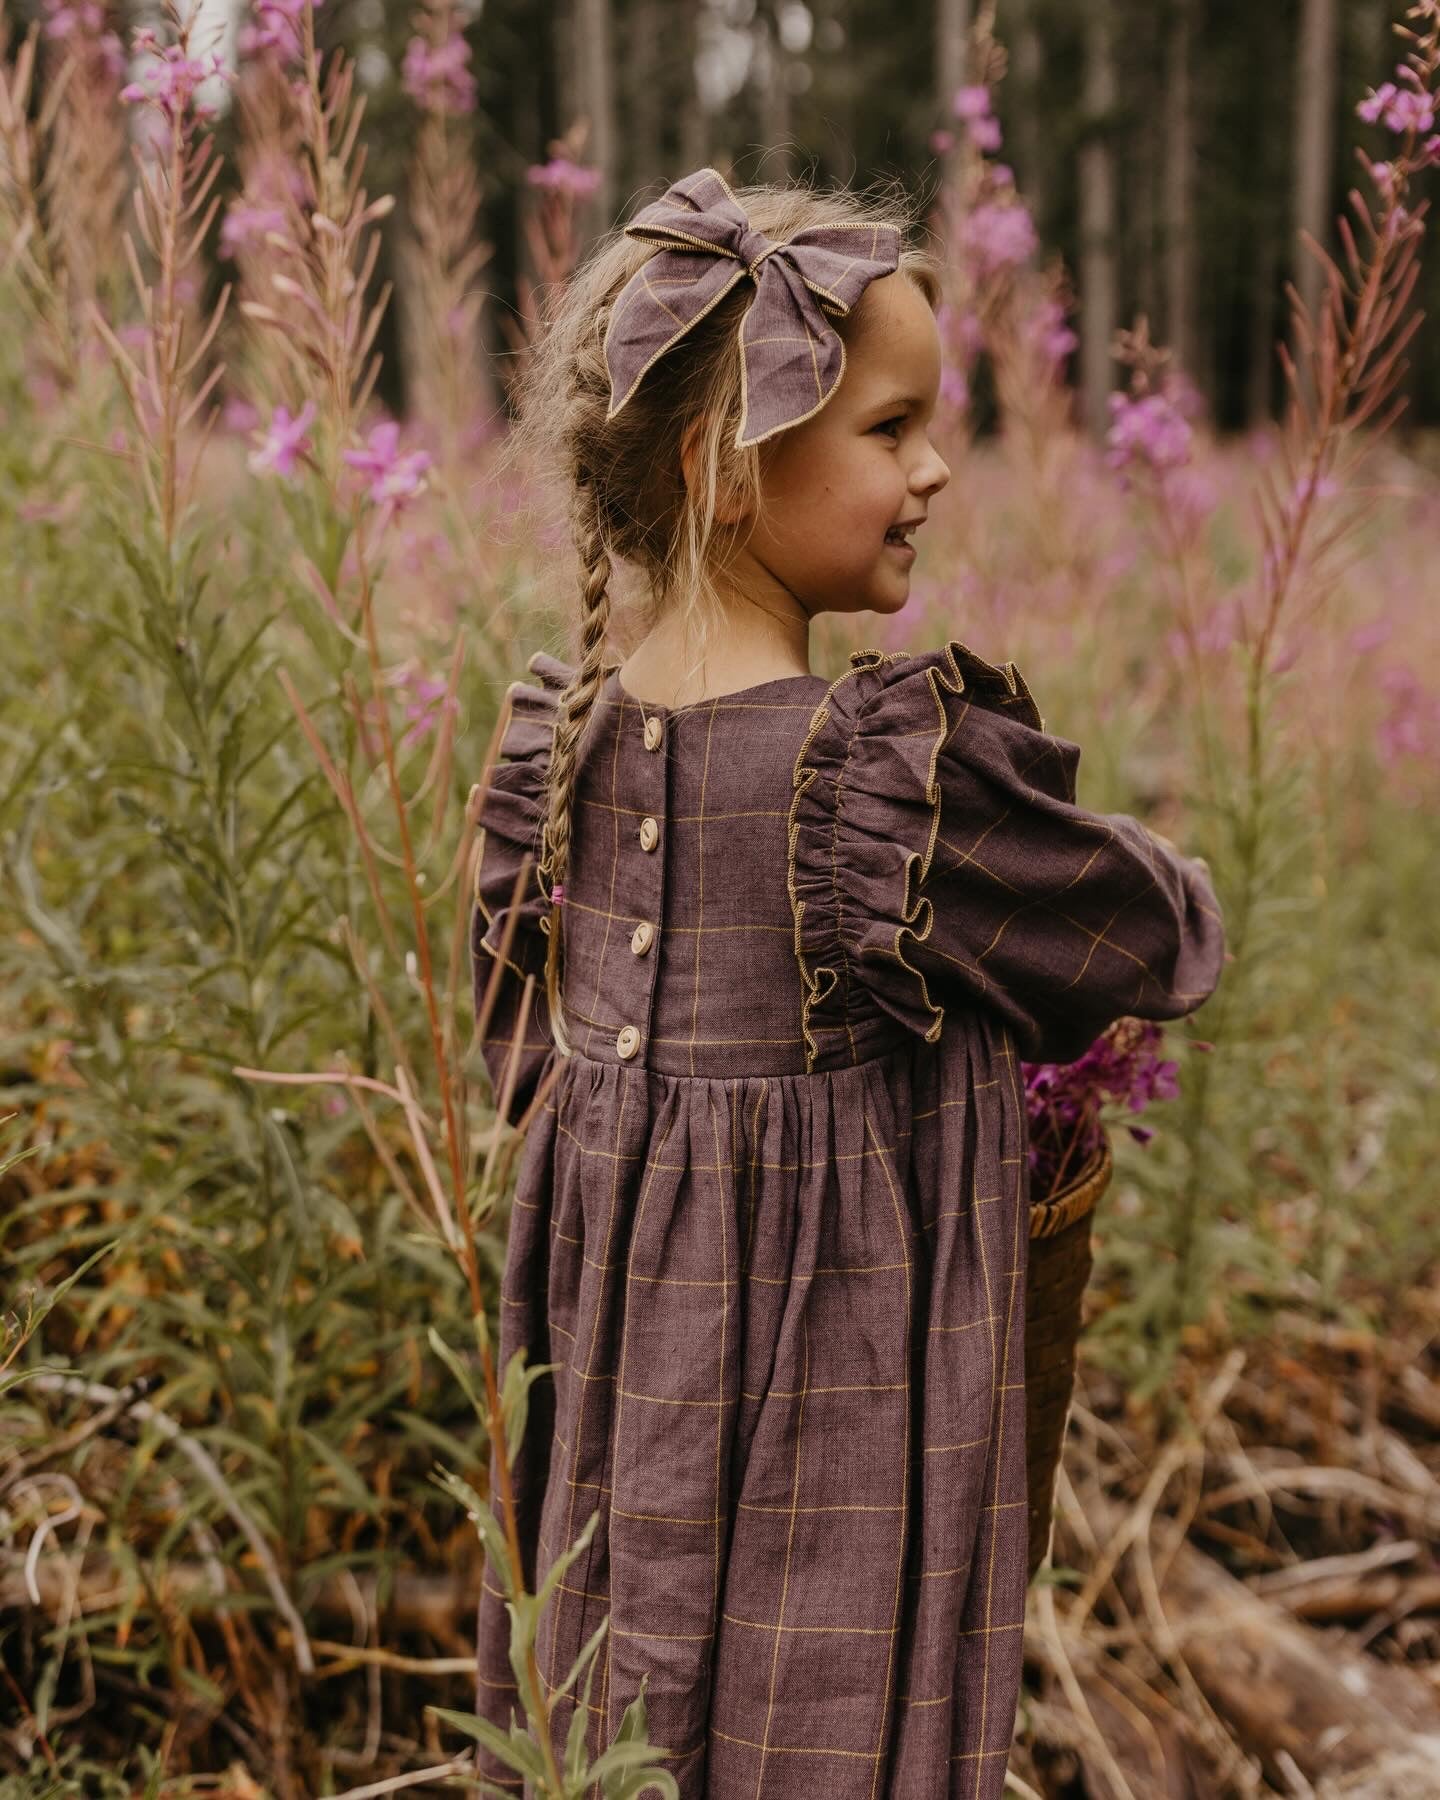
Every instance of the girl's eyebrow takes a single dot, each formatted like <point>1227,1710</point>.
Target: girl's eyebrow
<point>914,400</point>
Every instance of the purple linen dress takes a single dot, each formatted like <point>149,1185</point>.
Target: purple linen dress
<point>770,1220</point>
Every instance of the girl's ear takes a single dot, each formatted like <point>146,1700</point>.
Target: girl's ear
<point>728,509</point>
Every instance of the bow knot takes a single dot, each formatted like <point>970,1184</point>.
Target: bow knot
<point>791,359</point>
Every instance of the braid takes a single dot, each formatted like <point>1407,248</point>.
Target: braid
<point>572,713</point>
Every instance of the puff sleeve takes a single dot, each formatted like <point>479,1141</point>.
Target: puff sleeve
<point>931,799</point>
<point>511,816</point>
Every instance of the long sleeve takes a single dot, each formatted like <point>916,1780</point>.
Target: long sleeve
<point>968,874</point>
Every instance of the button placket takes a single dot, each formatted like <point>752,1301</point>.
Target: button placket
<point>650,773</point>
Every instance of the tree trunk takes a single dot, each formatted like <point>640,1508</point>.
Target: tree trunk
<point>1096,168</point>
<point>644,156</point>
<point>694,120</point>
<point>1179,187</point>
<point>1028,66</point>
<point>1317,76</point>
<point>771,68</point>
<point>952,42</point>
<point>594,46</point>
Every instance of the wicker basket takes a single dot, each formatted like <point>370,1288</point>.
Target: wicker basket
<point>1059,1267</point>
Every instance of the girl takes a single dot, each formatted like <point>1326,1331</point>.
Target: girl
<point>789,938</point>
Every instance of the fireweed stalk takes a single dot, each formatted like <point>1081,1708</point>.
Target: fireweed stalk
<point>445,254</point>
<point>365,486</point>
<point>61,236</point>
<point>30,253</point>
<point>177,166</point>
<point>443,299</point>
<point>1342,402</point>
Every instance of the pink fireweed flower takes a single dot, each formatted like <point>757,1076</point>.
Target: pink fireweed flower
<point>238,415</point>
<point>984,134</point>
<point>171,82</point>
<point>68,21</point>
<point>286,439</point>
<point>563,175</point>
<point>1048,333</point>
<point>998,235</point>
<point>393,478</point>
<point>941,141</point>
<point>277,27</point>
<point>1191,497</point>
<point>1411,727</point>
<point>1149,430</point>
<point>84,27</point>
<point>971,102</point>
<point>436,76</point>
<point>242,223</point>
<point>428,703</point>
<point>1400,109</point>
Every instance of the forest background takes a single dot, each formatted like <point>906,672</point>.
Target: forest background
<point>266,573</point>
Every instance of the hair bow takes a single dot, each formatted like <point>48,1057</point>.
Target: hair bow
<point>791,360</point>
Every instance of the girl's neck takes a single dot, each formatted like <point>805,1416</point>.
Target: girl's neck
<point>748,647</point>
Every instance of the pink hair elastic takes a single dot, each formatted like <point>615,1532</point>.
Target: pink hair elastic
<point>557,893</point>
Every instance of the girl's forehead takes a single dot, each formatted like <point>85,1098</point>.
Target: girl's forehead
<point>896,340</point>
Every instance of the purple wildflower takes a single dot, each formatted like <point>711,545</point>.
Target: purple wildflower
<point>998,236</point>
<point>1065,1102</point>
<point>971,102</point>
<point>242,223</point>
<point>1148,430</point>
<point>277,27</point>
<point>1411,727</point>
<point>430,699</point>
<point>171,81</point>
<point>985,134</point>
<point>286,439</point>
<point>1400,109</point>
<point>564,176</point>
<point>435,76</point>
<point>1047,331</point>
<point>393,478</point>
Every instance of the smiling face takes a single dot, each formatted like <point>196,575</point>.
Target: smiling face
<point>835,485</point>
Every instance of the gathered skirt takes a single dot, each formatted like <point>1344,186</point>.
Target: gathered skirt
<point>788,1317</point>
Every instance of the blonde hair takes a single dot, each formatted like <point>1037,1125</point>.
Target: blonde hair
<point>624,479</point>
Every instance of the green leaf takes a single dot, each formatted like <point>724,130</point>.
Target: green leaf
<point>515,1398</point>
<point>515,1748</point>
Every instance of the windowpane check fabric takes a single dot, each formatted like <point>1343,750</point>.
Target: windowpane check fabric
<point>770,1220</point>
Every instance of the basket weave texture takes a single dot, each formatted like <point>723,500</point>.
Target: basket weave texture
<point>1059,1266</point>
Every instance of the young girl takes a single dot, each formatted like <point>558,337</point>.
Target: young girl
<point>790,937</point>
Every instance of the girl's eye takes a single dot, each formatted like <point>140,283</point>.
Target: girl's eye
<point>885,424</point>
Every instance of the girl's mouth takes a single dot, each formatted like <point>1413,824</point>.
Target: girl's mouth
<point>900,545</point>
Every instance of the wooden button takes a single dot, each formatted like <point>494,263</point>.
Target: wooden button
<point>654,730</point>
<point>649,834</point>
<point>642,937</point>
<point>627,1040</point>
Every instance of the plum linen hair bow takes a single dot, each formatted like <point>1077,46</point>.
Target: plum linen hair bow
<point>791,360</point>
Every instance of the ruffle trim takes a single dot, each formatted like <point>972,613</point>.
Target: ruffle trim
<point>514,809</point>
<point>864,817</point>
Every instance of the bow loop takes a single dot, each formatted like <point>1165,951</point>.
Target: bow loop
<point>791,358</point>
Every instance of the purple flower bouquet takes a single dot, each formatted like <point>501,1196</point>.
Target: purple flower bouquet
<point>1067,1102</point>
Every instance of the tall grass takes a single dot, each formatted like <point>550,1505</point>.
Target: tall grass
<point>258,1218</point>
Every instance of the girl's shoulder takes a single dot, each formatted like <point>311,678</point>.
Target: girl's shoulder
<point>896,725</point>
<point>883,685</point>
